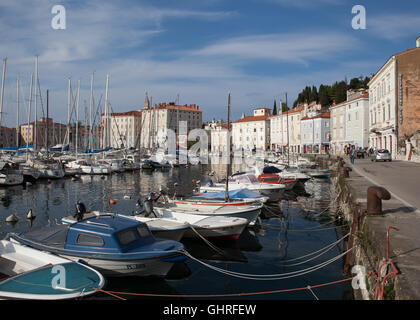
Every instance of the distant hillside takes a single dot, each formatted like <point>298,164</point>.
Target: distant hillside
<point>327,94</point>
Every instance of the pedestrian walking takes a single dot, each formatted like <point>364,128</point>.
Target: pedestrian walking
<point>352,155</point>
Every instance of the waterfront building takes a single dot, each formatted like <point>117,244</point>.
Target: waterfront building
<point>338,128</point>
<point>7,137</point>
<point>315,132</point>
<point>57,133</point>
<point>285,130</point>
<point>125,129</point>
<point>394,103</point>
<point>251,133</point>
<point>350,122</point>
<point>159,118</point>
<point>218,136</point>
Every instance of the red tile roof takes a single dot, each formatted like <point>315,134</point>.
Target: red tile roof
<point>253,118</point>
<point>365,95</point>
<point>324,115</point>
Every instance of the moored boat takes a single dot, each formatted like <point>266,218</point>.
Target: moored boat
<point>27,273</point>
<point>114,245</point>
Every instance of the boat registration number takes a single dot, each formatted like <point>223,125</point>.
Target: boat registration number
<point>135,266</point>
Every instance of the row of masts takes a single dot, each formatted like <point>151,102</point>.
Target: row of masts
<point>70,107</point>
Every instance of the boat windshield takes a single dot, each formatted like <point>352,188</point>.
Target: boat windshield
<point>127,236</point>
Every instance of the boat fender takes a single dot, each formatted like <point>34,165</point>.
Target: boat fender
<point>127,197</point>
<point>80,210</point>
<point>30,215</point>
<point>12,218</point>
<point>112,201</point>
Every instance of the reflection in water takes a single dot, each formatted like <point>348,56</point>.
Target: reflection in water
<point>260,250</point>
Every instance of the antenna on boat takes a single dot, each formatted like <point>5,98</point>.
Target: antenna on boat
<point>228,150</point>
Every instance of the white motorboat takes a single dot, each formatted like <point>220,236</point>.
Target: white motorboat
<point>160,228</point>
<point>48,169</point>
<point>248,181</point>
<point>28,273</point>
<point>211,225</point>
<point>114,165</point>
<point>87,167</point>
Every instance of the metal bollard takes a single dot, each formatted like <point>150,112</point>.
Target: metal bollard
<point>375,195</point>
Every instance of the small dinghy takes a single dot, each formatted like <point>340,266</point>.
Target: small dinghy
<point>27,273</point>
<point>114,245</point>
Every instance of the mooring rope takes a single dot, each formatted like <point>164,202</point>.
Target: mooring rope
<point>225,295</point>
<point>279,276</point>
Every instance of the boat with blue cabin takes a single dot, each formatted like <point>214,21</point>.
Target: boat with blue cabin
<point>113,245</point>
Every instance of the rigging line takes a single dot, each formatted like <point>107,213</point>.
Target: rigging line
<point>218,250</point>
<point>328,248</point>
<point>281,276</point>
<point>310,289</point>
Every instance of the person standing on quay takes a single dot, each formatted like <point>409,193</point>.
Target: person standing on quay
<point>352,154</point>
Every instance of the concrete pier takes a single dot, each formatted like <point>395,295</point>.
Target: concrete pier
<point>402,211</point>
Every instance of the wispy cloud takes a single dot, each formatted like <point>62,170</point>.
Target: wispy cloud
<point>309,4</point>
<point>290,47</point>
<point>394,26</point>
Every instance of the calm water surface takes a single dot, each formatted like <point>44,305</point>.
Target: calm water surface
<point>289,229</point>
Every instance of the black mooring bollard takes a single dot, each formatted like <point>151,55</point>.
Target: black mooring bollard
<point>375,195</point>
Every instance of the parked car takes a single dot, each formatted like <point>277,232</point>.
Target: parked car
<point>382,155</point>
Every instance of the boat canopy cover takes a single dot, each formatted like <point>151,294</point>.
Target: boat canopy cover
<point>233,194</point>
<point>270,170</point>
<point>54,236</point>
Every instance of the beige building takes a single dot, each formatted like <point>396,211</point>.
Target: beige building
<point>218,136</point>
<point>338,128</point>
<point>159,118</point>
<point>124,129</point>
<point>56,133</point>
<point>251,133</point>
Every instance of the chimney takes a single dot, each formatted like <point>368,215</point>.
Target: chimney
<point>418,42</point>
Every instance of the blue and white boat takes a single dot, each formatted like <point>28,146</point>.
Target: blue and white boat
<point>114,245</point>
<point>27,273</point>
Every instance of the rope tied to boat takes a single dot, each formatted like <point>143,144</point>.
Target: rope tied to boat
<point>225,295</point>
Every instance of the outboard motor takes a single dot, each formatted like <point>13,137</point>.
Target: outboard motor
<point>80,210</point>
<point>148,205</point>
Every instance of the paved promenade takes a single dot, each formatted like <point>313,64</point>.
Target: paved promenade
<point>402,180</point>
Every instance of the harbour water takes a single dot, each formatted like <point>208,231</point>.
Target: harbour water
<point>288,230</point>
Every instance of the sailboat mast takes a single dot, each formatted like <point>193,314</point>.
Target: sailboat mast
<point>288,146</point>
<point>17,116</point>
<point>77,116</point>
<point>90,112</point>
<point>29,117</point>
<point>228,150</point>
<point>46,125</point>
<point>36,105</point>
<point>106,134</point>
<point>2,89</point>
<point>68,111</point>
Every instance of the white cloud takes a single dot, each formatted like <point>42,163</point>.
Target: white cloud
<point>393,26</point>
<point>290,47</point>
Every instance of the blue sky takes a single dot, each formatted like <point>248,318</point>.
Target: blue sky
<point>201,50</point>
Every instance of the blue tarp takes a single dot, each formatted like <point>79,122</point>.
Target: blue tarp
<point>233,194</point>
<point>15,148</point>
<point>271,170</point>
